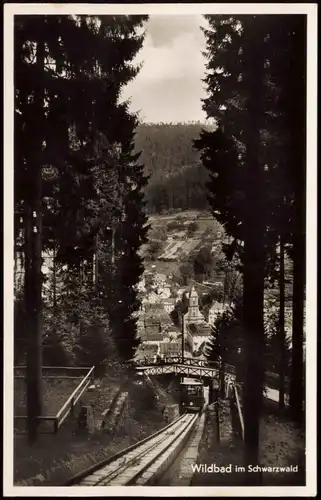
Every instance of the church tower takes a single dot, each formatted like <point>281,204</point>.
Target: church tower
<point>194,315</point>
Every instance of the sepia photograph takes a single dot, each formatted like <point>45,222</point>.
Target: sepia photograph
<point>160,249</point>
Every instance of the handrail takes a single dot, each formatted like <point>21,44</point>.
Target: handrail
<point>73,399</point>
<point>83,368</point>
<point>54,377</point>
<point>239,410</point>
<point>41,417</point>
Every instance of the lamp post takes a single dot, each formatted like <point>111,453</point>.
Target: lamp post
<point>182,325</point>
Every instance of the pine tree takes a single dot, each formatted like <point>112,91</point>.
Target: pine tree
<point>288,40</point>
<point>297,117</point>
<point>254,191</point>
<point>254,231</point>
<point>29,164</point>
<point>66,69</point>
<point>132,233</point>
<point>235,155</point>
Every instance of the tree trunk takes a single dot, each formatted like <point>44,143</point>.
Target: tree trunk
<point>254,227</point>
<point>113,249</point>
<point>281,329</point>
<point>33,292</point>
<point>54,280</point>
<point>297,375</point>
<point>96,262</point>
<point>298,133</point>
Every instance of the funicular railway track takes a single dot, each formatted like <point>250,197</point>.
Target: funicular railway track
<point>144,462</point>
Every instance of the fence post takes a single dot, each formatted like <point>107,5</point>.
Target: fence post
<point>72,407</point>
<point>56,425</point>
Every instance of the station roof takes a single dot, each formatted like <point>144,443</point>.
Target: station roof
<point>191,382</point>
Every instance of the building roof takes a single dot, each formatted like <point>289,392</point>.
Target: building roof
<point>160,276</point>
<point>157,306</point>
<point>173,329</point>
<point>196,330</point>
<point>152,321</point>
<point>217,306</point>
<point>164,317</point>
<point>151,334</point>
<point>146,350</point>
<point>169,301</point>
<point>170,348</point>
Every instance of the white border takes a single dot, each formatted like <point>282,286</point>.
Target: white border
<point>311,288</point>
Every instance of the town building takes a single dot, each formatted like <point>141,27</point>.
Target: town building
<point>151,298</point>
<point>169,304</point>
<point>170,349</point>
<point>197,330</point>
<point>146,353</point>
<point>216,309</point>
<point>200,334</point>
<point>164,292</point>
<point>180,293</point>
<point>141,287</point>
<point>151,335</point>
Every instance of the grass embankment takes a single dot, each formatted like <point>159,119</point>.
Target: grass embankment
<point>55,394</point>
<point>282,444</point>
<point>55,458</point>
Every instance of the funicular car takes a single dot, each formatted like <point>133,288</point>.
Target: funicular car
<point>192,396</point>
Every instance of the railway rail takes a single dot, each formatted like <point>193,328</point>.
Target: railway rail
<point>144,462</point>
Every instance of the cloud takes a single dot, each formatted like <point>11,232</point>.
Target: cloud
<point>163,30</point>
<point>169,100</point>
<point>169,86</point>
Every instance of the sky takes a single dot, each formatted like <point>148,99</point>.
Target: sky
<point>169,86</point>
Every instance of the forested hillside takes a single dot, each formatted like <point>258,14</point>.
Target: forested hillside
<point>177,178</point>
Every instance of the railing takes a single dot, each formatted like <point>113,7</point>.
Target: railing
<point>239,410</point>
<point>41,419</point>
<point>175,360</point>
<point>61,372</point>
<point>271,378</point>
<point>230,368</point>
<point>69,405</point>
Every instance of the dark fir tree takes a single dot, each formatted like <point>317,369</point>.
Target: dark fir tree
<point>66,70</point>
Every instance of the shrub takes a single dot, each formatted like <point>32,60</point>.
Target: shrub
<point>191,228</point>
<point>175,226</point>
